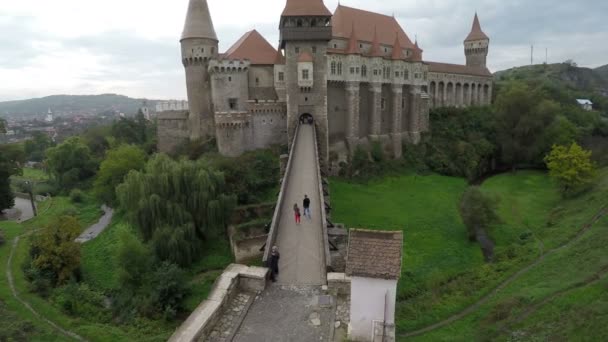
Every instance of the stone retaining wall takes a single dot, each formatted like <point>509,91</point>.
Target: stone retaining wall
<point>205,316</point>
<point>338,283</point>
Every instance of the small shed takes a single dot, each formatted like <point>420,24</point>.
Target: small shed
<point>374,265</point>
<point>586,104</point>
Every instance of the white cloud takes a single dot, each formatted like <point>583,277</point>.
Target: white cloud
<point>132,46</point>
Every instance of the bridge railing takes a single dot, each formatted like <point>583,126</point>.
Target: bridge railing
<point>274,226</point>
<point>322,203</point>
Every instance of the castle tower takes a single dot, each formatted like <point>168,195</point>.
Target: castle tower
<point>199,46</point>
<point>305,33</point>
<point>476,46</point>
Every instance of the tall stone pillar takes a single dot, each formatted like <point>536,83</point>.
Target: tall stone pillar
<point>352,107</point>
<point>461,96</point>
<point>436,96</point>
<point>396,118</point>
<point>376,117</point>
<point>474,94</point>
<point>454,95</point>
<point>414,117</point>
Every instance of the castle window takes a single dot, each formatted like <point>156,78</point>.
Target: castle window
<point>257,81</point>
<point>299,24</point>
<point>406,75</point>
<point>335,46</point>
<point>314,49</point>
<point>364,71</point>
<point>352,70</point>
<point>232,102</point>
<point>202,50</point>
<point>396,73</point>
<point>339,68</point>
<point>305,74</point>
<point>313,23</point>
<point>281,76</point>
<point>297,49</point>
<point>383,103</point>
<point>425,75</point>
<point>229,79</point>
<point>357,70</point>
<point>360,46</point>
<point>333,67</point>
<point>375,72</point>
<point>306,99</point>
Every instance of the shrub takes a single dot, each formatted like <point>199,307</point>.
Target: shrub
<point>79,300</point>
<point>45,189</point>
<point>76,196</point>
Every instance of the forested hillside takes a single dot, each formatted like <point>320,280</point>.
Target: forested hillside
<point>564,74</point>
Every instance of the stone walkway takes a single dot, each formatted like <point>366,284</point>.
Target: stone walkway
<point>301,246</point>
<point>21,211</point>
<point>287,313</point>
<point>231,318</point>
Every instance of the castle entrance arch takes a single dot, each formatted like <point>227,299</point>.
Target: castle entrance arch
<point>306,119</point>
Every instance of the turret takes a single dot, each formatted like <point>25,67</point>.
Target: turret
<point>476,45</point>
<point>305,20</point>
<point>199,46</point>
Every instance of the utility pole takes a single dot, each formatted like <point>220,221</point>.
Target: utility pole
<point>531,54</point>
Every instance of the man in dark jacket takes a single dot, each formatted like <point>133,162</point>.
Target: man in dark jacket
<point>306,205</point>
<point>274,263</point>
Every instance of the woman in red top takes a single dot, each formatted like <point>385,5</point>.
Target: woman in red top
<point>296,211</point>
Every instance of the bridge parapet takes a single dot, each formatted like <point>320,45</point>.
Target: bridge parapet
<point>322,202</point>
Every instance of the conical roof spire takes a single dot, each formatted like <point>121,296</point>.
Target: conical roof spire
<point>417,53</point>
<point>397,49</point>
<point>353,43</point>
<point>476,32</point>
<point>376,52</point>
<point>198,21</point>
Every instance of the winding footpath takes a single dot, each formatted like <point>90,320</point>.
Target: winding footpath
<point>473,307</point>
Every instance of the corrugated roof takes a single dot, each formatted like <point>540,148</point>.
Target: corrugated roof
<point>385,26</point>
<point>374,254</point>
<point>458,69</point>
<point>254,47</point>
<point>295,8</point>
<point>476,32</point>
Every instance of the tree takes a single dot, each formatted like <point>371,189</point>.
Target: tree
<point>477,210</point>
<point>114,168</point>
<point>11,158</point>
<point>70,162</point>
<point>36,147</point>
<point>183,201</point>
<point>54,251</point>
<point>571,167</point>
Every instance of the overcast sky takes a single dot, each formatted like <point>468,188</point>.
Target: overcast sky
<point>131,47</point>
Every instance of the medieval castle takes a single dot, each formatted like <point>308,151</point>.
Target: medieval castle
<point>357,73</point>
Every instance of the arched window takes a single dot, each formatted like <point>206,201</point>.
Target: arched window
<point>333,67</point>
<point>339,68</point>
<point>364,70</point>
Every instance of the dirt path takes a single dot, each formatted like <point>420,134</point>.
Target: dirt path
<point>473,307</point>
<point>11,284</point>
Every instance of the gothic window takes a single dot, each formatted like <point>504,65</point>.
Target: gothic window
<point>333,67</point>
<point>375,72</point>
<point>281,76</point>
<point>357,70</point>
<point>339,68</point>
<point>407,75</point>
<point>305,74</point>
<point>364,71</point>
<point>352,70</point>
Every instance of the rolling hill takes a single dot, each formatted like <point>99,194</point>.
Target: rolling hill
<point>583,79</point>
<point>67,105</point>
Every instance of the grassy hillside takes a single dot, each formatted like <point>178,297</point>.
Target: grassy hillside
<point>602,71</point>
<point>443,274</point>
<point>581,79</point>
<point>75,104</point>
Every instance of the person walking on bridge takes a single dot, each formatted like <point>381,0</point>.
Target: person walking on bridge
<point>306,205</point>
<point>296,211</point>
<point>274,263</point>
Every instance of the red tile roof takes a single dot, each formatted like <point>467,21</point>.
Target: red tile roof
<point>374,254</point>
<point>353,43</point>
<point>375,51</point>
<point>397,49</point>
<point>416,53</point>
<point>294,8</point>
<point>305,57</point>
<point>386,27</point>
<point>476,32</point>
<point>458,69</point>
<point>254,47</point>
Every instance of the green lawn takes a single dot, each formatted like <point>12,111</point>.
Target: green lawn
<point>443,272</point>
<point>33,175</point>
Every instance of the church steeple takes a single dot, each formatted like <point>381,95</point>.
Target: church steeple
<point>198,21</point>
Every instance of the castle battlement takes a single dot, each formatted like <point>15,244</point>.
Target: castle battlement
<point>229,66</point>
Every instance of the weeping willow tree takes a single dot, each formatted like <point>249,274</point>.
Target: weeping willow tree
<point>176,205</point>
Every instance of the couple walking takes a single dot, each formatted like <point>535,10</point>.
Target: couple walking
<point>306,205</point>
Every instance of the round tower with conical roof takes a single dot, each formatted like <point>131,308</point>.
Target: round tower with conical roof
<point>476,46</point>
<point>199,46</point>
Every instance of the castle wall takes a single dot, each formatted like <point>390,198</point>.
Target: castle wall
<point>387,109</point>
<point>269,124</point>
<point>336,111</point>
<point>229,84</point>
<point>233,132</point>
<point>172,130</point>
<point>365,107</point>
<point>261,83</point>
<point>454,90</point>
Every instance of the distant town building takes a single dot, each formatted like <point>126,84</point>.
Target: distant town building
<point>585,104</point>
<point>49,116</point>
<point>374,264</point>
<point>172,105</point>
